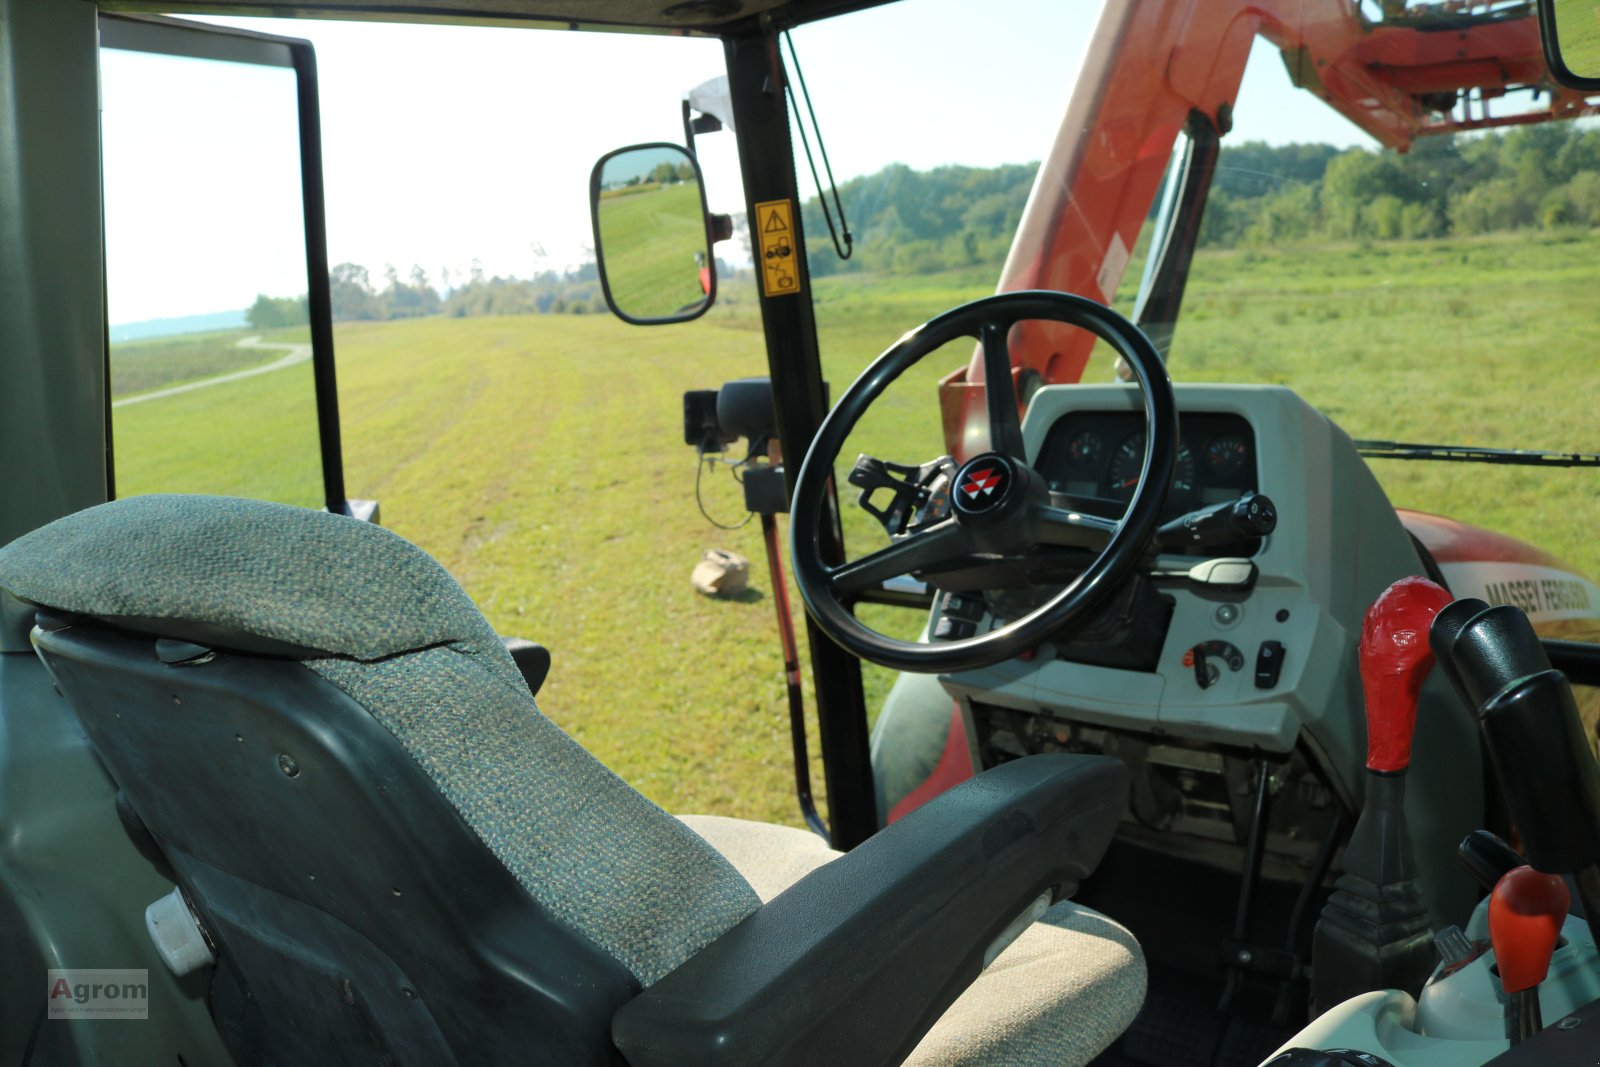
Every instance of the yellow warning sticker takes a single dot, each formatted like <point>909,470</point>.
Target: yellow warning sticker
<point>774,226</point>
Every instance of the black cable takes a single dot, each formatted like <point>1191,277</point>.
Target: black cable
<point>848,247</point>
<point>700,463</point>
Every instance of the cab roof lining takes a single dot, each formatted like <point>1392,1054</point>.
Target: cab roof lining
<point>697,17</point>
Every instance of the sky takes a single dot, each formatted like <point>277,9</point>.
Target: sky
<point>448,145</point>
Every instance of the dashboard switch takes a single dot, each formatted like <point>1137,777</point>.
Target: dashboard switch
<point>1269,664</point>
<point>948,629</point>
<point>970,608</point>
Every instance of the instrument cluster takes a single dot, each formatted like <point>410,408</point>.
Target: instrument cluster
<point>1094,457</point>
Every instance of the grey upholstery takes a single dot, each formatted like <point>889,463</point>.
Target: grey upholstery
<point>1058,996</point>
<point>393,630</point>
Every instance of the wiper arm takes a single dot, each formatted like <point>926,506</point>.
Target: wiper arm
<point>1467,454</point>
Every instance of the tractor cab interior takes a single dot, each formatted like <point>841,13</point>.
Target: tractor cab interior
<point>1194,747</point>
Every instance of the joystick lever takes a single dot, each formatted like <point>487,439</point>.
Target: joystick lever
<point>1526,911</point>
<point>1534,738</point>
<point>1374,933</point>
<point>1552,786</point>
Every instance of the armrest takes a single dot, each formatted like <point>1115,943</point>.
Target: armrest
<point>533,660</point>
<point>856,961</point>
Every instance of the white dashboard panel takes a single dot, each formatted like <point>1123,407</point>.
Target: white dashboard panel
<point>1337,545</point>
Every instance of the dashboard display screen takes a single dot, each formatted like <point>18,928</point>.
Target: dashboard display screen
<point>1094,457</point>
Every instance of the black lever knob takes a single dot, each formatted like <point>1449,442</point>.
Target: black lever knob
<point>1488,651</point>
<point>1487,858</point>
<point>1447,626</point>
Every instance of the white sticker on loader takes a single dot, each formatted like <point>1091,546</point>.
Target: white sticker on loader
<point>1111,268</point>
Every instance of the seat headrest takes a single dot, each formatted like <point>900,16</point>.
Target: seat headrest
<point>244,574</point>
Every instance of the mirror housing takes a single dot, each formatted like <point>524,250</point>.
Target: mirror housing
<point>652,234</point>
<point>1569,31</point>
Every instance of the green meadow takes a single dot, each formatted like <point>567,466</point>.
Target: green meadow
<point>540,458</point>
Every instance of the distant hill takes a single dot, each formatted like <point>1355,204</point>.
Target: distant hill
<point>916,222</point>
<point>216,320</point>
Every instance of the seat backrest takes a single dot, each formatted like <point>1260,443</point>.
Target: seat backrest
<point>391,847</point>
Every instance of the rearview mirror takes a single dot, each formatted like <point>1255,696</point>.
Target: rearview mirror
<point>651,240</point>
<point>1570,32</point>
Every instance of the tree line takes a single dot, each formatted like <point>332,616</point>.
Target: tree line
<point>355,298</point>
<point>906,221</point>
<point>1544,176</point>
<point>1541,176</point>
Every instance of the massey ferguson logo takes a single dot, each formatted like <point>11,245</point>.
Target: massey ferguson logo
<point>982,484</point>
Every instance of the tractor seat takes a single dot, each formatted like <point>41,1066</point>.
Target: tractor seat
<point>397,858</point>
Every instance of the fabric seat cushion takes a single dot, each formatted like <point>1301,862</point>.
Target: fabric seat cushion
<point>1058,995</point>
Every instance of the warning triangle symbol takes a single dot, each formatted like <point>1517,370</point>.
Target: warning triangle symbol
<point>774,223</point>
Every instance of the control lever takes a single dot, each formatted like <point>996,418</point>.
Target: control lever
<point>1526,911</point>
<point>1223,572</point>
<point>1252,515</point>
<point>1552,786</point>
<point>1487,858</point>
<point>1373,933</point>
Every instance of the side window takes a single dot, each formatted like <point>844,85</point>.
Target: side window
<point>210,349</point>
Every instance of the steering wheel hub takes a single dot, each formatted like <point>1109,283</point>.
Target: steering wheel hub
<point>985,486</point>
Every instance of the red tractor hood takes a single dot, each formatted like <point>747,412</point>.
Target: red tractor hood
<point>1503,570</point>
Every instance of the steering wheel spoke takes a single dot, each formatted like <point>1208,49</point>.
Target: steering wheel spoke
<point>1005,424</point>
<point>1071,529</point>
<point>943,542</point>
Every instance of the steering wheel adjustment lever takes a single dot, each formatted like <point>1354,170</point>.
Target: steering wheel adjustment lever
<point>919,495</point>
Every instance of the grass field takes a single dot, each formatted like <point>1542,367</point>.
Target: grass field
<point>540,458</point>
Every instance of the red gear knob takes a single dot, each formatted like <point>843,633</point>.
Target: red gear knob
<point>1395,658</point>
<point>1526,911</point>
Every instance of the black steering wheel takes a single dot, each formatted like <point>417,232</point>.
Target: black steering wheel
<point>998,505</point>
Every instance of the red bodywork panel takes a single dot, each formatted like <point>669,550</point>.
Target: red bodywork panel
<point>1493,567</point>
<point>1449,541</point>
<point>1153,62</point>
<point>953,768</point>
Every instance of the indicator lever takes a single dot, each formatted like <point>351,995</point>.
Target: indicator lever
<point>1252,515</point>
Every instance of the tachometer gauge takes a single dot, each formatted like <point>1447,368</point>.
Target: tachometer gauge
<point>1085,449</point>
<point>1226,454</point>
<point>1129,457</point>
